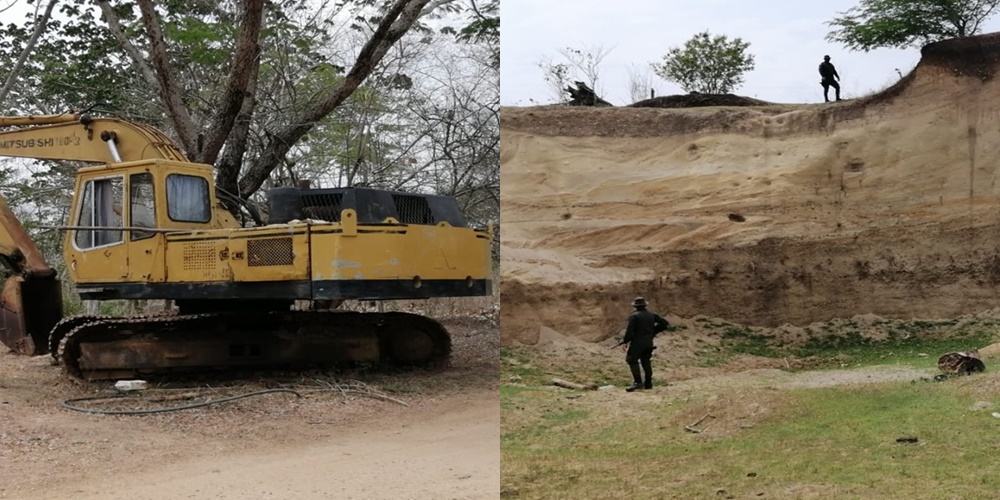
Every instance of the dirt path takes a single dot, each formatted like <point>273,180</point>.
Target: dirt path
<point>330,442</point>
<point>449,449</point>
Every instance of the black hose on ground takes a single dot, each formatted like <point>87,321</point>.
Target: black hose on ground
<point>69,406</point>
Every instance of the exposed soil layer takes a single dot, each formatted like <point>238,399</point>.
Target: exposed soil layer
<point>762,215</point>
<point>695,100</point>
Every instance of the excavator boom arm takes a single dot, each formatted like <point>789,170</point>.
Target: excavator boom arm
<point>83,138</point>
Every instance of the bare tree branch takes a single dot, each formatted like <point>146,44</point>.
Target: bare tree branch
<point>395,23</point>
<point>114,25</point>
<point>28,47</point>
<point>228,166</point>
<point>433,5</point>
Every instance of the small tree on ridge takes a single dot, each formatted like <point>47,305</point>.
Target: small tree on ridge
<point>707,64</point>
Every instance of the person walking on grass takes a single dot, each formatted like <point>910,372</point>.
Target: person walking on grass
<point>643,325</point>
<point>830,77</point>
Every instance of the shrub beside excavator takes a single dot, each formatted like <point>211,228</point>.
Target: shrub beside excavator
<point>146,223</point>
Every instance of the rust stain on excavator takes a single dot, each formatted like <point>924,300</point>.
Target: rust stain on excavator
<point>30,307</point>
<point>13,332</point>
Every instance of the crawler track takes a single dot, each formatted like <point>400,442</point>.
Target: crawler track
<point>67,325</point>
<point>105,348</point>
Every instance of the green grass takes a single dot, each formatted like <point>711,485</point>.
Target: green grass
<point>842,343</point>
<point>515,366</point>
<point>815,443</point>
<point>778,442</point>
<point>854,350</point>
<point>509,394</point>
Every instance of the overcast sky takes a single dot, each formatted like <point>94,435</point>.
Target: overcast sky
<point>787,39</point>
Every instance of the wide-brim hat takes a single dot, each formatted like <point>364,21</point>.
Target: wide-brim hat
<point>639,302</point>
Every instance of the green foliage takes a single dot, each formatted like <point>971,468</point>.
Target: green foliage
<point>484,28</point>
<point>852,349</point>
<point>74,66</point>
<point>515,365</point>
<point>905,23</point>
<point>707,64</point>
<point>416,111</point>
<point>745,341</point>
<point>38,199</point>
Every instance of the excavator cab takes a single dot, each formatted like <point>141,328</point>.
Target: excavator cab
<point>122,212</point>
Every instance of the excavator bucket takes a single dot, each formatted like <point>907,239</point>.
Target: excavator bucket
<point>29,307</point>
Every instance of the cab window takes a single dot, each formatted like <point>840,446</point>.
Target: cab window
<point>187,198</point>
<point>100,207</point>
<point>142,212</point>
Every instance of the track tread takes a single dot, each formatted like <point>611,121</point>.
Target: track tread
<point>65,325</point>
<point>387,325</point>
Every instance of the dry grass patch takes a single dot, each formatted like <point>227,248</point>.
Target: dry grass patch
<point>831,442</point>
<point>774,433</point>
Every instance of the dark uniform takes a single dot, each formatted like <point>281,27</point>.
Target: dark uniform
<point>642,327</point>
<point>830,77</point>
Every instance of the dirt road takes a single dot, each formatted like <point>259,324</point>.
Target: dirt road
<point>449,449</point>
<point>441,443</point>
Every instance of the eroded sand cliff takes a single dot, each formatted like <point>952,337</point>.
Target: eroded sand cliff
<point>887,205</point>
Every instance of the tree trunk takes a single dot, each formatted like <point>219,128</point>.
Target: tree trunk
<point>169,88</point>
<point>583,95</point>
<point>396,22</point>
<point>245,62</point>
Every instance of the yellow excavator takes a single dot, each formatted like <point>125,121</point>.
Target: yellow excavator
<point>146,223</point>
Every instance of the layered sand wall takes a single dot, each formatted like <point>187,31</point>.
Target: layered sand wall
<point>888,205</point>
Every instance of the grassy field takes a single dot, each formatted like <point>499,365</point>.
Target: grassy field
<point>771,434</point>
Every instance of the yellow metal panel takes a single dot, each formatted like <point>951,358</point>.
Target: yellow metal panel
<point>400,252</point>
<point>146,259</point>
<point>98,265</point>
<point>250,255</point>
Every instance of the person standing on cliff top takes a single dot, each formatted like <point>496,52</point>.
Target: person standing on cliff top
<point>643,325</point>
<point>830,77</point>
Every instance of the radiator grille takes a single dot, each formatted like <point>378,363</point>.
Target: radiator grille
<point>323,206</point>
<point>270,252</point>
<point>199,256</point>
<point>413,209</point>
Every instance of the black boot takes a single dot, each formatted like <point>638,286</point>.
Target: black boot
<point>636,377</point>
<point>648,384</point>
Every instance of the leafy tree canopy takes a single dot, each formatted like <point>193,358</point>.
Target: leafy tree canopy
<point>908,23</point>
<point>484,27</point>
<point>399,94</point>
<point>707,64</point>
